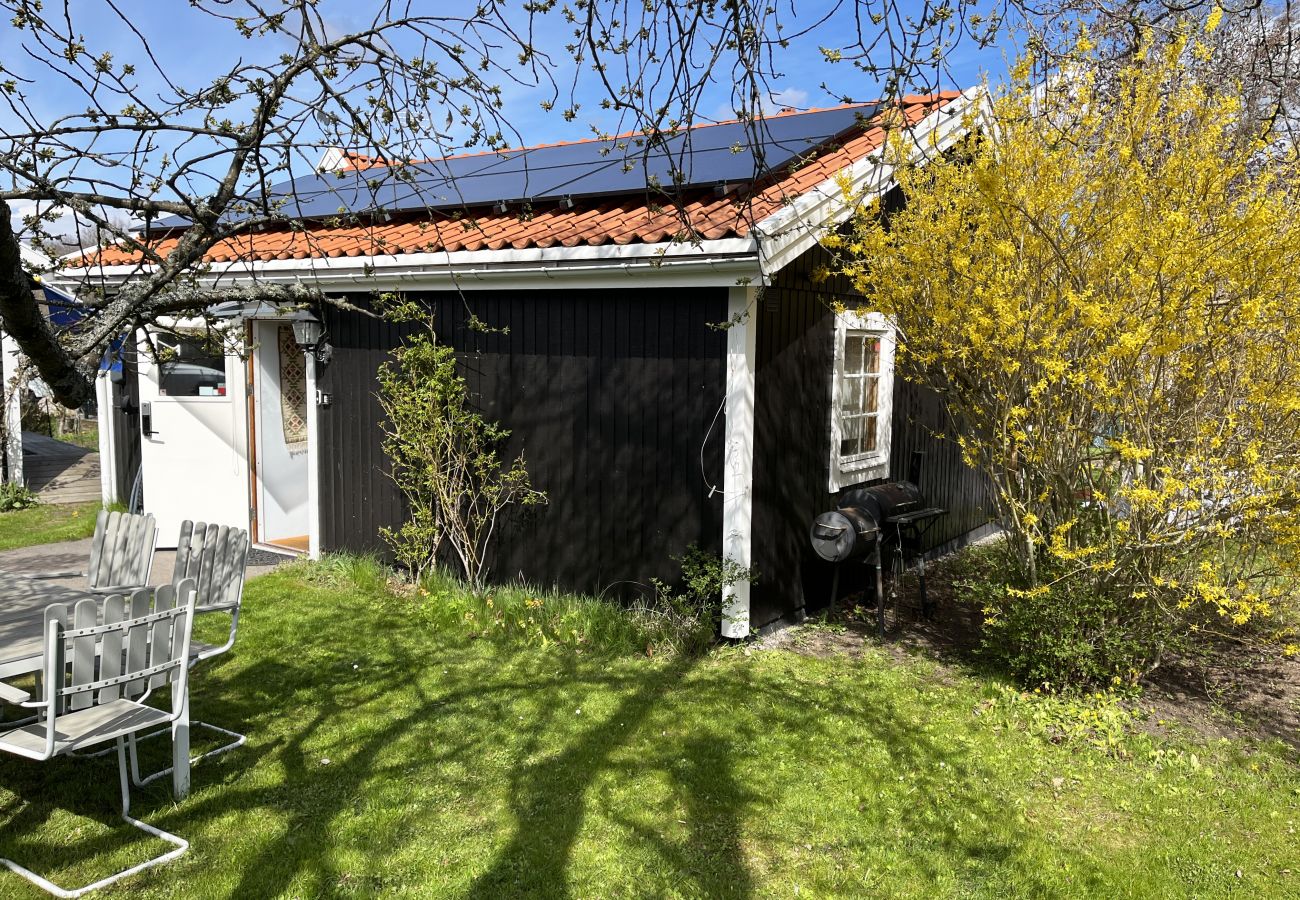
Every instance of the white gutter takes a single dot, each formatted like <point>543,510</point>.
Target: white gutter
<point>725,262</point>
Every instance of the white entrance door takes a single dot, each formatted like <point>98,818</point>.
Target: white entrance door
<point>280,398</point>
<point>194,447</point>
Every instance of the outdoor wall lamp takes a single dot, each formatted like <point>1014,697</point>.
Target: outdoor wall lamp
<point>310,335</point>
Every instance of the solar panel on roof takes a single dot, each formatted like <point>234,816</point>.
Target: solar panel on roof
<point>706,155</point>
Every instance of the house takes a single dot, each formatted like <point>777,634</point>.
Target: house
<point>649,426</point>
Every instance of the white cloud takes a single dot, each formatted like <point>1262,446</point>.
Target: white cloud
<point>791,97</point>
<point>64,225</point>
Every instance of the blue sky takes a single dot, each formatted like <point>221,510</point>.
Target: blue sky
<point>192,48</point>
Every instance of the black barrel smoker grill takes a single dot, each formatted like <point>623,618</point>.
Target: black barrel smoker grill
<point>892,517</point>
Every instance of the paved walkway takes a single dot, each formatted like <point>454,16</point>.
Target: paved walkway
<point>73,557</point>
<point>60,472</point>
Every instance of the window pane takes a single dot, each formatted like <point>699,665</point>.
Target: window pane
<point>192,369</point>
<point>872,363</point>
<point>850,440</point>
<point>851,398</point>
<point>854,347</point>
<point>869,437</point>
<point>872,401</point>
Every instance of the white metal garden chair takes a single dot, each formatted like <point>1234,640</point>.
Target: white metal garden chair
<point>214,557</point>
<point>100,667</point>
<point>121,553</point>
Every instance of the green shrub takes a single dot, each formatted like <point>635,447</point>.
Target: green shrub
<point>445,459</point>
<point>37,420</point>
<point>693,611</point>
<point>16,496</point>
<point>1062,633</point>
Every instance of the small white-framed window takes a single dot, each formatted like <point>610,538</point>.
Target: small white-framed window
<point>862,394</point>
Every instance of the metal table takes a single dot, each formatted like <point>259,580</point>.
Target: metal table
<point>22,613</point>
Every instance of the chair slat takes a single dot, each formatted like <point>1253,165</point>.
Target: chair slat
<point>137,643</point>
<point>144,554</point>
<point>182,550</point>
<point>57,611</point>
<point>207,564</point>
<point>111,647</point>
<point>85,614</point>
<point>123,565</point>
<point>120,547</point>
<point>97,547</point>
<point>163,638</point>
<point>116,547</point>
<point>221,568</point>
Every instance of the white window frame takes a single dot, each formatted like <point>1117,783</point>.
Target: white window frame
<point>867,467</point>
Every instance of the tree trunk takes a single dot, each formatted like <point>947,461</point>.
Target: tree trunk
<point>21,315</point>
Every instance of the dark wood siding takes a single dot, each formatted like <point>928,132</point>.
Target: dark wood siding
<point>123,417</point>
<point>792,443</point>
<point>608,394</point>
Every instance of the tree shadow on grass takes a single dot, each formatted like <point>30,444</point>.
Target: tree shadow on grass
<point>549,800</point>
<point>428,709</point>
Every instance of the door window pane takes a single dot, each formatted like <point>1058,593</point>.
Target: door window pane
<point>191,368</point>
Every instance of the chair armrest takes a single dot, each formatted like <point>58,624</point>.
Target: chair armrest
<point>10,694</point>
<point>217,607</point>
<point>116,588</point>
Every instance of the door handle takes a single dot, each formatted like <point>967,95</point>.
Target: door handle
<point>146,419</point>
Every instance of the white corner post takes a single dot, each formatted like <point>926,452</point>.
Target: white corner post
<point>738,455</point>
<point>107,438</point>
<point>10,359</point>
<point>313,462</point>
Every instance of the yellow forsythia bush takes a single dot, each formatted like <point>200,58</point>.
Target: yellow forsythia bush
<point>1104,284</point>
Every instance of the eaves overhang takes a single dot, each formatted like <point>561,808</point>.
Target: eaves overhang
<point>725,262</point>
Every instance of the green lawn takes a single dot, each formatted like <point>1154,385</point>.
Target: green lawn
<point>45,524</point>
<point>87,438</point>
<point>397,748</point>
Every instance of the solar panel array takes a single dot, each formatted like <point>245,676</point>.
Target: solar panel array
<point>708,155</point>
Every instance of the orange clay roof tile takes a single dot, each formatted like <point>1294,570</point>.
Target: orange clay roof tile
<point>591,221</point>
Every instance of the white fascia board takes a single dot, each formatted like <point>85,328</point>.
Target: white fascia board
<point>723,263</point>
<point>792,230</point>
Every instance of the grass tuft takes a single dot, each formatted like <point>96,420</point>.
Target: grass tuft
<point>536,616</point>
